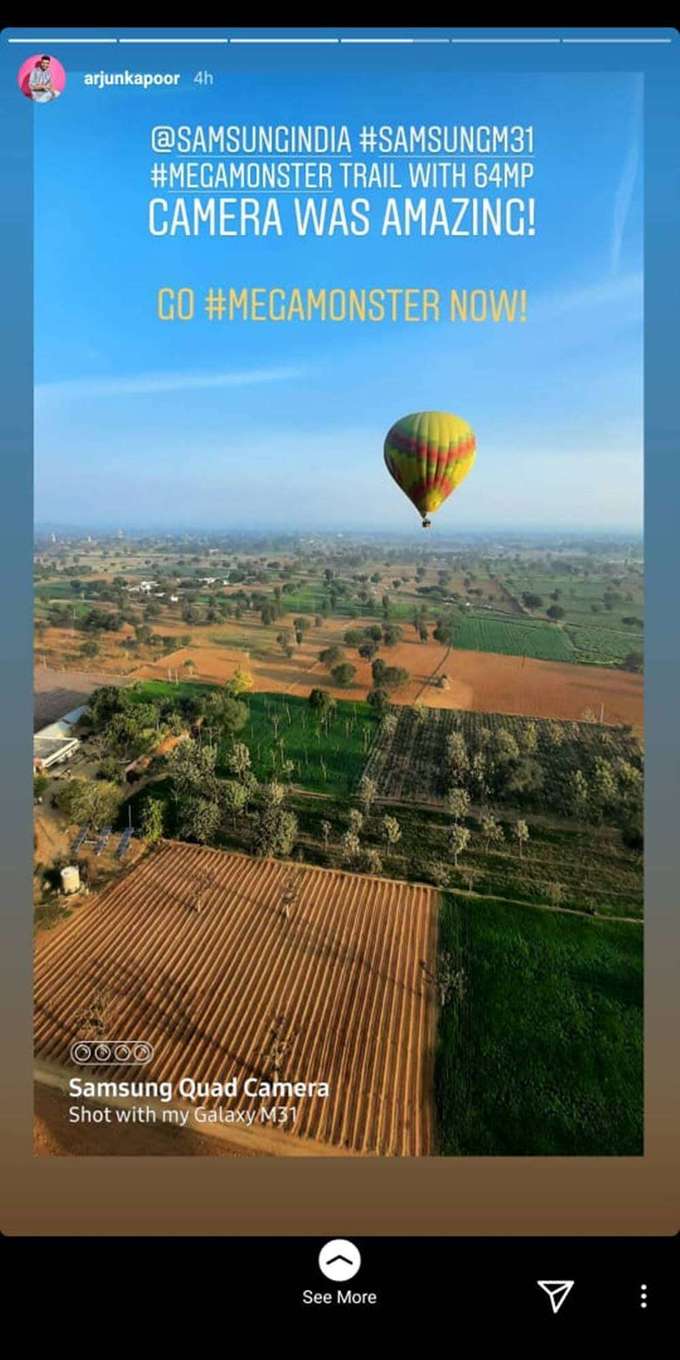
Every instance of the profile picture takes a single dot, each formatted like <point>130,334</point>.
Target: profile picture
<point>41,78</point>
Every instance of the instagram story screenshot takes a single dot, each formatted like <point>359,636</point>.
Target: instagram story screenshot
<point>340,662</point>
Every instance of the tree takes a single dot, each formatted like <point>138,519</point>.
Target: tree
<point>554,893</point>
<point>457,755</point>
<point>379,702</point>
<point>555,612</point>
<point>529,738</point>
<point>198,818</point>
<point>92,803</point>
<point>151,820</point>
<point>458,803</point>
<point>241,682</point>
<point>391,634</point>
<point>326,829</point>
<point>503,746</point>
<point>343,674</point>
<point>105,702</point>
<point>90,649</point>
<point>275,831</point>
<point>368,650</point>
<point>285,641</point>
<point>351,846</point>
<point>368,790</point>
<point>238,760</point>
<point>322,703</point>
<point>197,791</point>
<point>388,722</point>
<point>437,872</point>
<point>393,677</point>
<point>554,732</point>
<point>377,671</point>
<point>579,793</point>
<point>235,796</point>
<point>391,831</point>
<point>272,794</point>
<point>604,792</point>
<point>532,601</point>
<point>331,656</point>
<point>446,978</point>
<point>372,862</point>
<point>634,661</point>
<point>444,632</point>
<point>525,778</point>
<point>192,768</point>
<point>491,831</point>
<point>521,833</point>
<point>478,774</point>
<point>353,637</point>
<point>224,712</point>
<point>459,840</point>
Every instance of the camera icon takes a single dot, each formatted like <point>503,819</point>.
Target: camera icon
<point>111,1052</point>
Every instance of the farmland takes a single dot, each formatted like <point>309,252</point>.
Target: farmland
<point>600,646</point>
<point>440,745</point>
<point>513,637</point>
<point>326,757</point>
<point>412,761</point>
<point>601,604</point>
<point>209,610</point>
<point>541,1055</point>
<point>206,986</point>
<point>580,868</point>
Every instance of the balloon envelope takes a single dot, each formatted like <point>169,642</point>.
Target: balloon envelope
<point>429,454</point>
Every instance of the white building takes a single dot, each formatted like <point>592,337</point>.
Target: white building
<point>57,742</point>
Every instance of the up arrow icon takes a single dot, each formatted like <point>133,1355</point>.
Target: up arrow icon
<point>557,1291</point>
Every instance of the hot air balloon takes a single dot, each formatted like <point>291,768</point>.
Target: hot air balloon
<point>429,454</point>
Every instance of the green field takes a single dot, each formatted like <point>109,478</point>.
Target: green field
<point>309,598</point>
<point>282,728</point>
<point>326,760</point>
<point>145,691</point>
<point>601,646</point>
<point>61,591</point>
<point>510,637</point>
<point>582,597</point>
<point>542,1055</point>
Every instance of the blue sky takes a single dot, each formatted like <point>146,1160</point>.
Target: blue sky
<point>141,423</point>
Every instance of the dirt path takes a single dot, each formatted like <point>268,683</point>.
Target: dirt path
<point>430,679</point>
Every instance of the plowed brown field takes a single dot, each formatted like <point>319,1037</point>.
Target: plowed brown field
<point>486,683</point>
<point>206,987</point>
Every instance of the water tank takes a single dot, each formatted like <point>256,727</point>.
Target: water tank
<point>70,879</point>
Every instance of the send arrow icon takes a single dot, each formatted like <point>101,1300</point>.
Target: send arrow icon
<point>557,1291</point>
